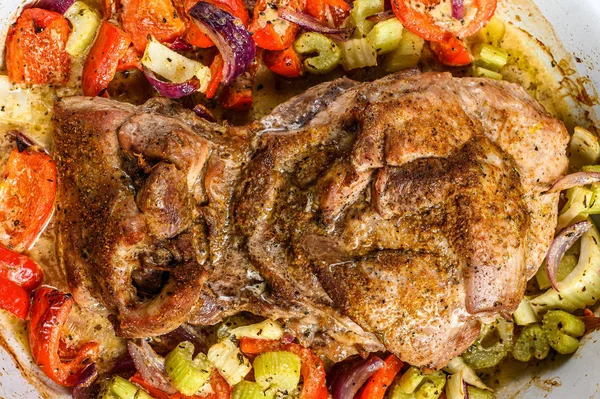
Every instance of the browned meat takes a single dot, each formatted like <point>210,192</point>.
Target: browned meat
<point>397,214</point>
<point>413,205</point>
<point>131,201</point>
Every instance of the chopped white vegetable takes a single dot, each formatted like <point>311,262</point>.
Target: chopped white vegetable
<point>267,329</point>
<point>229,361</point>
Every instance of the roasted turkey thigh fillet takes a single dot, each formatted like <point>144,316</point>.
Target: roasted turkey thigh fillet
<point>397,214</point>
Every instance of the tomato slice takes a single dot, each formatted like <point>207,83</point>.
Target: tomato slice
<point>102,62</point>
<point>237,99</point>
<point>14,298</point>
<point>131,60</point>
<point>337,10</point>
<point>284,62</point>
<point>270,31</point>
<point>20,269</point>
<point>415,16</point>
<point>48,315</point>
<point>158,18</point>
<point>451,52</point>
<point>35,48</point>
<point>216,75</point>
<point>27,192</point>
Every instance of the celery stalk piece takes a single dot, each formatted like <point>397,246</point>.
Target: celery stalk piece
<point>411,380</point>
<point>562,330</point>
<point>479,356</point>
<point>357,53</point>
<point>433,387</point>
<point>187,375</point>
<point>267,329</point>
<point>584,148</point>
<point>581,288</point>
<point>328,53</point>
<point>476,393</point>
<point>251,390</point>
<point>398,393</point>
<point>386,36</point>
<point>479,72</point>
<point>362,9</point>
<point>524,314</point>
<point>119,388</point>
<point>490,57</point>
<point>492,33</point>
<point>531,342</point>
<point>407,55</point>
<point>280,370</point>
<point>173,66</point>
<point>85,22</point>
<point>229,361</point>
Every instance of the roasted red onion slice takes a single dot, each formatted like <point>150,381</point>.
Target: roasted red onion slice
<point>180,45</point>
<point>458,9</point>
<point>381,16</point>
<point>575,180</point>
<point>172,90</point>
<point>349,381</point>
<point>229,35</point>
<point>150,365</point>
<point>59,6</point>
<point>309,23</point>
<point>85,388</point>
<point>563,241</point>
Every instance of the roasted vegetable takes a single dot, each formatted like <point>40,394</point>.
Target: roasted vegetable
<point>187,375</point>
<point>562,330</point>
<point>532,341</point>
<point>328,53</point>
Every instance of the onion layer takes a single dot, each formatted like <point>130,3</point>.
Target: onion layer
<point>309,23</point>
<point>349,381</point>
<point>563,241</point>
<point>85,388</point>
<point>180,45</point>
<point>575,180</point>
<point>229,35</point>
<point>458,9</point>
<point>59,6</point>
<point>151,366</point>
<point>172,90</point>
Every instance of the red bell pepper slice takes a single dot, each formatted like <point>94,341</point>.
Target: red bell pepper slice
<point>414,16</point>
<point>284,62</point>
<point>101,65</point>
<point>158,18</point>
<point>27,192</point>
<point>35,48</point>
<point>270,31</point>
<point>237,99</point>
<point>451,52</point>
<point>312,368</point>
<point>338,10</point>
<point>131,60</point>
<point>216,75</point>
<point>48,315</point>
<point>379,382</point>
<point>14,298</point>
<point>20,269</point>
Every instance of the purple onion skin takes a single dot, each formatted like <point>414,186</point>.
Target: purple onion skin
<point>172,90</point>
<point>350,378</point>
<point>203,113</point>
<point>458,9</point>
<point>309,22</point>
<point>230,36</point>
<point>124,367</point>
<point>561,244</point>
<point>180,45</point>
<point>465,389</point>
<point>59,6</point>
<point>85,387</point>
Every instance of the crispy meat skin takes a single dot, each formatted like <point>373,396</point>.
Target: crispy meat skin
<point>396,214</point>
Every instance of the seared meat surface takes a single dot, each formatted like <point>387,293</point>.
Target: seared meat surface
<point>414,205</point>
<point>397,214</point>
